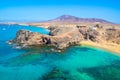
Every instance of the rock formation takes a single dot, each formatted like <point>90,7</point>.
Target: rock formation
<point>25,37</point>
<point>112,35</point>
<point>59,38</point>
<point>65,36</point>
<point>62,37</point>
<point>90,34</point>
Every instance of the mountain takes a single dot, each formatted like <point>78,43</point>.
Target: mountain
<point>71,21</point>
<point>69,18</point>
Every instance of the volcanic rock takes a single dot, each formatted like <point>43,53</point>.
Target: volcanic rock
<point>59,38</point>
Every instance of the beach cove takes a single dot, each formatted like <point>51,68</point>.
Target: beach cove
<point>75,63</point>
<point>103,45</point>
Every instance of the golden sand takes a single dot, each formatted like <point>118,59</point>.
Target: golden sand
<point>104,45</point>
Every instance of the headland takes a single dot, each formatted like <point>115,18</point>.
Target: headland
<point>69,30</point>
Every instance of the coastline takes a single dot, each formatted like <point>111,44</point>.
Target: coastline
<point>109,46</point>
<point>112,47</point>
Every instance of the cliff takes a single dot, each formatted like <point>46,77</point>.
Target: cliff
<point>62,37</point>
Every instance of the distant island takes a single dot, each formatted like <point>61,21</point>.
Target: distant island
<point>68,30</point>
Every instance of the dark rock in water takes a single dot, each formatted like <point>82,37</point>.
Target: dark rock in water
<point>57,74</point>
<point>60,74</point>
<point>104,72</point>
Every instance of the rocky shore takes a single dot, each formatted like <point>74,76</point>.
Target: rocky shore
<point>63,37</point>
<point>60,37</point>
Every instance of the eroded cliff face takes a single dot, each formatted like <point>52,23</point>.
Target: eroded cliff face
<point>59,38</point>
<point>90,34</point>
<point>62,37</point>
<point>65,36</point>
<point>112,35</point>
<point>25,37</point>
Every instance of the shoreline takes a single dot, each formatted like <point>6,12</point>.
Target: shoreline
<point>111,47</point>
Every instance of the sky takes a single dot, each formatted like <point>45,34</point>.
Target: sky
<point>40,10</point>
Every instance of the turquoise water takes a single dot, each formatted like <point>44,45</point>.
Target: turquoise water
<point>41,63</point>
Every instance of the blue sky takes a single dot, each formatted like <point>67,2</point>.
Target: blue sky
<point>37,10</point>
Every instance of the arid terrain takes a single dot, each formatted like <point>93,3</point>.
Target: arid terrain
<point>68,30</point>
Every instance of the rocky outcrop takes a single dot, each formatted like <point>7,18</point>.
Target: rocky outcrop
<point>65,36</point>
<point>90,34</point>
<point>60,38</point>
<point>112,35</point>
<point>25,37</point>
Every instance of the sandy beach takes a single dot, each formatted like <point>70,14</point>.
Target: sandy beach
<point>104,45</point>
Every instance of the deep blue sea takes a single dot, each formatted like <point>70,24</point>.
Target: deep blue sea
<point>41,63</point>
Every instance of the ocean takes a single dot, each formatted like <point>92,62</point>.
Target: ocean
<point>42,63</point>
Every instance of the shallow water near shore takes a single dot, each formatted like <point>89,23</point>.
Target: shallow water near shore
<point>42,63</point>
